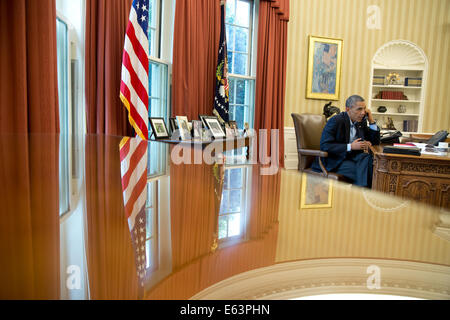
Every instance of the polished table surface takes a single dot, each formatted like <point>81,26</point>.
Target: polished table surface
<point>209,228</point>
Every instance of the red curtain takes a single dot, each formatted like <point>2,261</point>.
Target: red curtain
<point>28,38</point>
<point>271,68</point>
<point>29,232</point>
<point>195,45</point>
<point>106,22</point>
<point>110,255</point>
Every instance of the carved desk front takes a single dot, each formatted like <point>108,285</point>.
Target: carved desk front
<point>424,178</point>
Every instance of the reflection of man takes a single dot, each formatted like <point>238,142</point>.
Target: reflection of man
<point>346,137</point>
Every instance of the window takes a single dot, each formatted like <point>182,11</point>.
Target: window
<point>160,29</point>
<point>233,207</point>
<point>158,107</point>
<point>154,13</point>
<point>151,238</point>
<point>160,36</point>
<point>239,21</point>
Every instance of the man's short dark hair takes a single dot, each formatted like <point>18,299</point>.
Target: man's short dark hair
<point>353,100</point>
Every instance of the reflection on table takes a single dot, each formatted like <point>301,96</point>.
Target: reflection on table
<point>206,223</point>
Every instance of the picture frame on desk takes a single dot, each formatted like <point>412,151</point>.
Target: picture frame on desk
<point>183,126</point>
<point>324,68</point>
<point>234,127</point>
<point>173,124</point>
<point>202,118</point>
<point>197,127</point>
<point>213,124</point>
<point>159,128</point>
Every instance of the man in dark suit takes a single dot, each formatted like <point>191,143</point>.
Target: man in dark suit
<point>347,137</point>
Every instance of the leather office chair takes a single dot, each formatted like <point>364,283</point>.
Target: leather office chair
<point>308,130</point>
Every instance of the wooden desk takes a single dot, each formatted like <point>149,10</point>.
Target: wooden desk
<point>424,178</point>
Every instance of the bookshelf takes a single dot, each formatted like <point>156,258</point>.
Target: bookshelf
<point>398,78</point>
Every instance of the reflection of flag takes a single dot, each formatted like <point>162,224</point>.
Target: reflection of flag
<point>134,85</point>
<point>133,151</point>
<point>221,98</point>
<point>133,169</point>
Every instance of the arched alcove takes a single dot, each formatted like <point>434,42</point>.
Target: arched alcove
<point>406,65</point>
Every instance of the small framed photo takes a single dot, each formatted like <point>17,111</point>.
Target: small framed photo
<point>213,124</point>
<point>173,124</point>
<point>228,131</point>
<point>202,118</point>
<point>183,125</point>
<point>234,127</point>
<point>197,127</point>
<point>159,128</point>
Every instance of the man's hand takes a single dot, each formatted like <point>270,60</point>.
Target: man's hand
<point>369,115</point>
<point>359,144</point>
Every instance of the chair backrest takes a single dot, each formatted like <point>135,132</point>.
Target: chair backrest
<point>308,131</point>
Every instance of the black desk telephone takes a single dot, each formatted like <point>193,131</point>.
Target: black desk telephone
<point>437,137</point>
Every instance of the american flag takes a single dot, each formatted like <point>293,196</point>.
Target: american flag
<point>134,85</point>
<point>133,169</point>
<point>221,98</point>
<point>134,151</point>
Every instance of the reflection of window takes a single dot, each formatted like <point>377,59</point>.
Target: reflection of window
<point>232,215</point>
<point>151,238</point>
<point>62,43</point>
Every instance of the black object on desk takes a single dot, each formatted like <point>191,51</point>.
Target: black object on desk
<point>413,151</point>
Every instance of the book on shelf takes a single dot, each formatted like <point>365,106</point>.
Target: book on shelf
<point>378,80</point>
<point>413,82</point>
<point>410,125</point>
<point>391,95</point>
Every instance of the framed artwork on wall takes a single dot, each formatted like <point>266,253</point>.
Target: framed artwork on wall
<point>324,68</point>
<point>317,192</point>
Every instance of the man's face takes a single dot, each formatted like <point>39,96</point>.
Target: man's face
<point>357,111</point>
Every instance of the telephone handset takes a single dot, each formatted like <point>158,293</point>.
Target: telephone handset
<point>437,137</point>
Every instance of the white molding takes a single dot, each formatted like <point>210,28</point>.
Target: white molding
<point>290,149</point>
<point>296,279</point>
